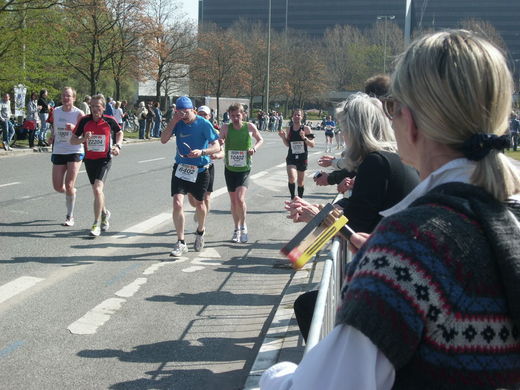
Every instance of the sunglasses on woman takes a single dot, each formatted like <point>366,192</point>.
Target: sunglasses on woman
<point>391,106</point>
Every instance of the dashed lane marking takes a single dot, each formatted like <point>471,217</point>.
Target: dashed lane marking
<point>153,159</point>
<point>130,289</point>
<point>96,317</point>
<point>9,184</point>
<point>17,286</point>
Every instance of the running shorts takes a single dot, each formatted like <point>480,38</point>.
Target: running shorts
<point>301,165</point>
<point>63,159</point>
<point>197,189</point>
<point>211,170</point>
<point>236,179</point>
<point>97,169</point>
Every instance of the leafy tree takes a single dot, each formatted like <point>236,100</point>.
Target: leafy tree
<point>124,64</point>
<point>90,27</point>
<point>220,65</point>
<point>306,74</point>
<point>168,43</point>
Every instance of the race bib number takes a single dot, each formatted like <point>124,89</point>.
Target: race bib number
<point>297,147</point>
<point>62,135</point>
<point>237,158</point>
<point>187,172</point>
<point>97,143</point>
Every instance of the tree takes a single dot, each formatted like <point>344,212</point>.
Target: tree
<point>486,30</point>
<point>389,39</point>
<point>90,26</point>
<point>125,61</point>
<point>167,44</point>
<point>306,74</point>
<point>220,65</point>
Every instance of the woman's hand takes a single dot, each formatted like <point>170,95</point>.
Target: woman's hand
<point>357,240</point>
<point>325,161</point>
<point>322,180</point>
<point>346,184</point>
<point>300,210</point>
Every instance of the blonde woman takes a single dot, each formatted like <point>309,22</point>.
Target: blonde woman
<point>431,299</point>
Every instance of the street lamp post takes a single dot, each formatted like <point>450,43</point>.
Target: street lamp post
<point>385,18</point>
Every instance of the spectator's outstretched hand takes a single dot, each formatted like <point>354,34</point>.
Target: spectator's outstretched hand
<point>300,210</point>
<point>325,161</point>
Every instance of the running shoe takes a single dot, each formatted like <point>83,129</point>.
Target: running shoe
<point>199,242</point>
<point>236,236</point>
<point>69,221</point>
<point>105,221</point>
<point>243,236</point>
<point>96,230</point>
<point>179,249</point>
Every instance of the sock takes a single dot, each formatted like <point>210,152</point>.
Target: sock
<point>182,241</point>
<point>300,192</point>
<point>200,233</point>
<point>244,228</point>
<point>70,200</point>
<point>292,187</point>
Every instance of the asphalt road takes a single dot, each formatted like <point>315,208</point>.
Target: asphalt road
<point>115,312</point>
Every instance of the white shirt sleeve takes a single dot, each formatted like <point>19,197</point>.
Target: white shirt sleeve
<point>346,359</point>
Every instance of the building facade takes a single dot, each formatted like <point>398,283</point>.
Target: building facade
<point>315,17</point>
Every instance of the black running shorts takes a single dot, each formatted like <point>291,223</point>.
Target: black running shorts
<point>197,189</point>
<point>97,169</point>
<point>236,179</point>
<point>63,159</point>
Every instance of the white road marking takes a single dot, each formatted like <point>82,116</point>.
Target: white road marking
<point>144,226</point>
<point>154,267</point>
<point>17,286</point>
<point>130,289</point>
<point>82,171</point>
<point>193,269</point>
<point>96,317</point>
<point>153,159</point>
<point>220,191</point>
<point>281,165</point>
<point>9,184</point>
<point>259,174</point>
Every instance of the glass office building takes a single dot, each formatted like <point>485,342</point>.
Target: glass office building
<point>314,17</point>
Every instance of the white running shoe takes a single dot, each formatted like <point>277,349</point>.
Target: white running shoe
<point>243,236</point>
<point>199,242</point>
<point>69,221</point>
<point>105,221</point>
<point>179,249</point>
<point>96,230</point>
<point>236,236</point>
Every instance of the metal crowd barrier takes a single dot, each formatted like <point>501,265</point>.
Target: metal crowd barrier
<point>329,292</point>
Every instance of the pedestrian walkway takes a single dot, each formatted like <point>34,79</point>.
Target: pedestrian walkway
<point>283,341</point>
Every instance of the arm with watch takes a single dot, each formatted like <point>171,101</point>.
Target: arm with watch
<point>116,148</point>
<point>258,138</point>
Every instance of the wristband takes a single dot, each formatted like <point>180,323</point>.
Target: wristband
<point>203,153</point>
<point>254,150</point>
<point>118,146</point>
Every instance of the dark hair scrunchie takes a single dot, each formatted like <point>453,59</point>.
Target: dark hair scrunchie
<point>478,145</point>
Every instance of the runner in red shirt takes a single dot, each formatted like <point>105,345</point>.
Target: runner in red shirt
<point>96,131</point>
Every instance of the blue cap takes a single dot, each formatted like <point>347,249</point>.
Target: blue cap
<point>183,102</point>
